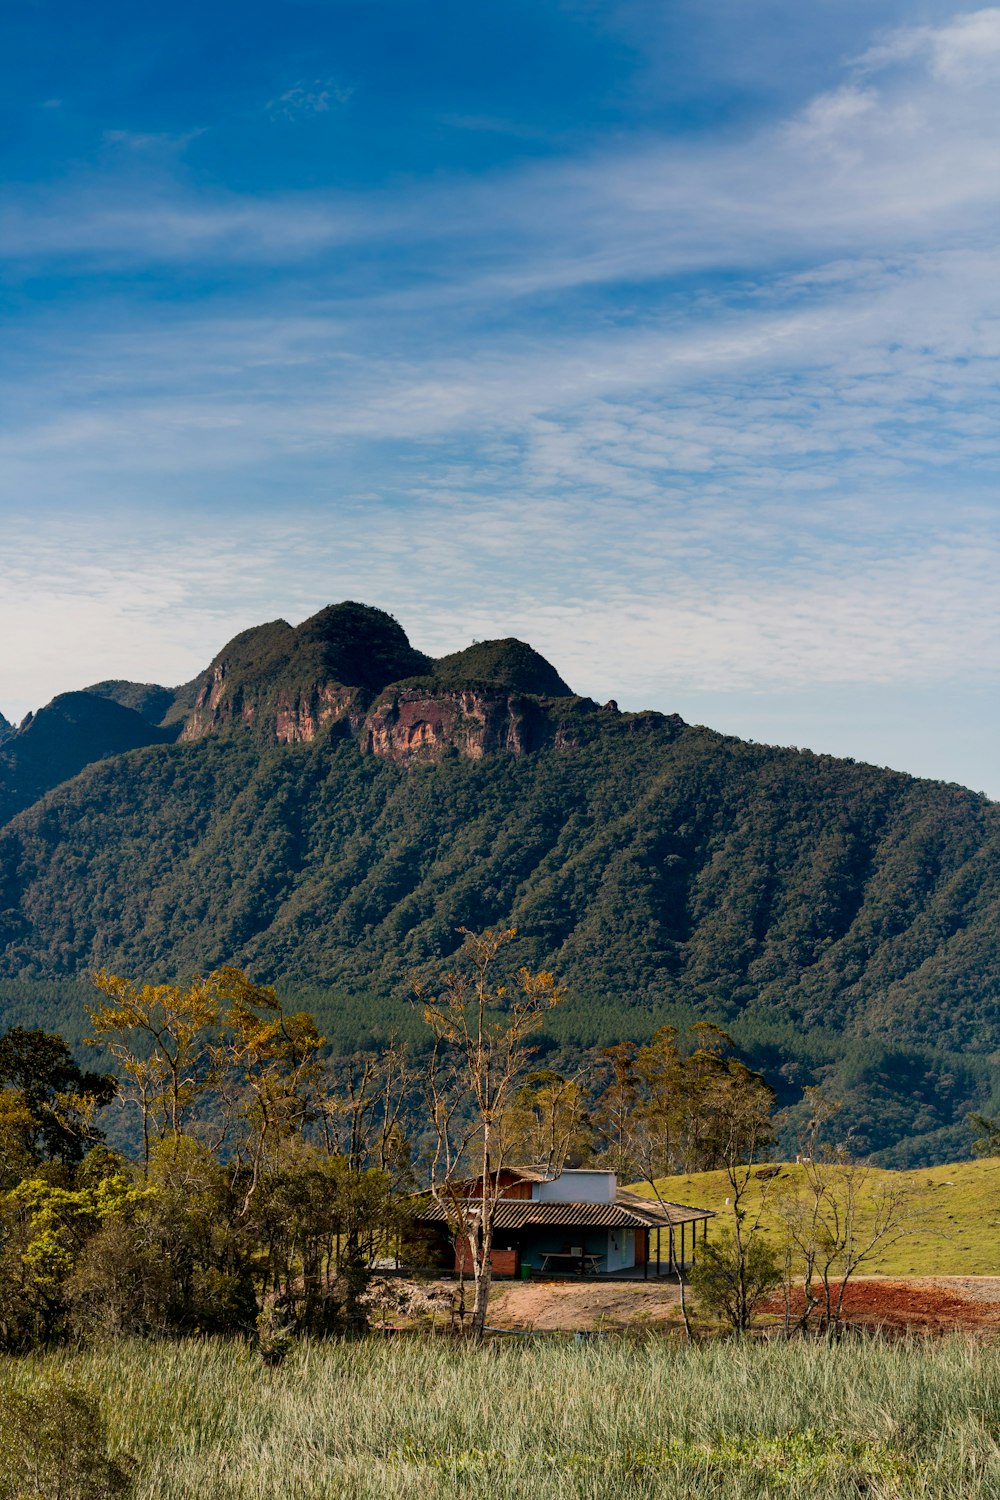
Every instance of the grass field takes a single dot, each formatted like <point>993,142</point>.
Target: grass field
<point>614,1420</point>
<point>956,1232</point>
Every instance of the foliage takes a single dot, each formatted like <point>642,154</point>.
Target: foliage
<point>665,1109</point>
<point>251,1193</point>
<point>53,1445</point>
<point>987,1129</point>
<point>509,664</point>
<point>731,1280</point>
<point>834,918</point>
<point>47,1103</point>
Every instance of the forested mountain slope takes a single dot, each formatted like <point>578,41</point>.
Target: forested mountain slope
<point>71,732</point>
<point>841,919</point>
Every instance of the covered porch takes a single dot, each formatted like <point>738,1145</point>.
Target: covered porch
<point>631,1238</point>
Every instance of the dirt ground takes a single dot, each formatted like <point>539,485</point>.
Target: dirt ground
<point>921,1304</point>
<point>581,1305</point>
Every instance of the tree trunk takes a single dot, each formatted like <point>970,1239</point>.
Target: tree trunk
<point>481,1303</point>
<point>682,1284</point>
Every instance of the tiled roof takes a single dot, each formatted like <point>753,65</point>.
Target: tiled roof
<point>629,1211</point>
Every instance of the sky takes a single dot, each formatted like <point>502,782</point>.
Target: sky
<point>661,334</point>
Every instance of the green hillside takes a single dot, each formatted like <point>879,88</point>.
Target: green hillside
<point>508,663</point>
<point>839,919</point>
<point>956,1224</point>
<point>71,732</point>
<point>148,699</point>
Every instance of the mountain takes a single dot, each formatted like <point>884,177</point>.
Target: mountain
<point>71,732</point>
<point>287,685</point>
<point>6,729</point>
<point>147,699</point>
<point>508,663</point>
<point>327,805</point>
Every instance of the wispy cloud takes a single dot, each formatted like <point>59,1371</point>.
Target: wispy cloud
<point>315,96</point>
<point>706,415</point>
<point>907,147</point>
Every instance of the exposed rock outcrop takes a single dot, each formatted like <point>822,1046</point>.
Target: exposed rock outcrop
<point>290,685</point>
<point>412,724</point>
<point>350,670</point>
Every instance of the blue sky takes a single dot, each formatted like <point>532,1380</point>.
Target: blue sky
<point>663,335</point>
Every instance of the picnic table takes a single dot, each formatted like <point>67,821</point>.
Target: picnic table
<point>586,1262</point>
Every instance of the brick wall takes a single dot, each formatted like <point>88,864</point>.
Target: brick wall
<point>504,1261</point>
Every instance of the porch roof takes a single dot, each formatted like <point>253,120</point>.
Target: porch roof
<point>629,1211</point>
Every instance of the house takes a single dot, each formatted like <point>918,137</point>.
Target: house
<point>576,1222</point>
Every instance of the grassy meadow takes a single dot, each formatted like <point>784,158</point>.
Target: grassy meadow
<point>956,1231</point>
<point>546,1420</point>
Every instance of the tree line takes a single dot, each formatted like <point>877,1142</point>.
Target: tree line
<point>271,1180</point>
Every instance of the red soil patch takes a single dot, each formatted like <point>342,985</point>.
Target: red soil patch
<point>924,1305</point>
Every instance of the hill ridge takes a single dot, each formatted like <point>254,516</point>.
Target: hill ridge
<point>841,919</point>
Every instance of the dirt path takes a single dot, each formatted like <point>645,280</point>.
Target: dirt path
<point>584,1306</point>
<point>925,1304</point>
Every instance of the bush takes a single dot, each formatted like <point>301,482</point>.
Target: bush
<point>53,1446</point>
<point>731,1279</point>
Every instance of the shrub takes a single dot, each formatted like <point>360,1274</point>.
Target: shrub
<point>732,1278</point>
<point>53,1446</point>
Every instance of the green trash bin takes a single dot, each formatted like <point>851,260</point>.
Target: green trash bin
<point>525,1272</point>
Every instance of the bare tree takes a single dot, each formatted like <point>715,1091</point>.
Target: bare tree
<point>666,1112</point>
<point>482,1032</point>
<point>842,1216</point>
<point>363,1107</point>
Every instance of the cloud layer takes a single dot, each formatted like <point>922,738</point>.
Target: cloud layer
<point>698,414</point>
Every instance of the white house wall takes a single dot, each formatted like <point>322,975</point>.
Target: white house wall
<point>577,1187</point>
<point>621,1249</point>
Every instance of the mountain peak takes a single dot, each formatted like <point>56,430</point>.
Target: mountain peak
<point>360,646</point>
<point>58,741</point>
<point>287,684</point>
<point>507,663</point>
<point>148,699</point>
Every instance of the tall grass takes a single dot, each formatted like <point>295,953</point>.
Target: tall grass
<point>606,1421</point>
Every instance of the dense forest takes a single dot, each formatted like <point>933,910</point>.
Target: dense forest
<point>839,919</point>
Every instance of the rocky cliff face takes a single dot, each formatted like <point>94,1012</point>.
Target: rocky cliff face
<point>351,670</point>
<point>289,716</point>
<point>6,729</point>
<point>289,685</point>
<point>414,724</point>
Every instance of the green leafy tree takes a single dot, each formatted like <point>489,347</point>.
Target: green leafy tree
<point>732,1277</point>
<point>160,1037</point>
<point>54,1101</point>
